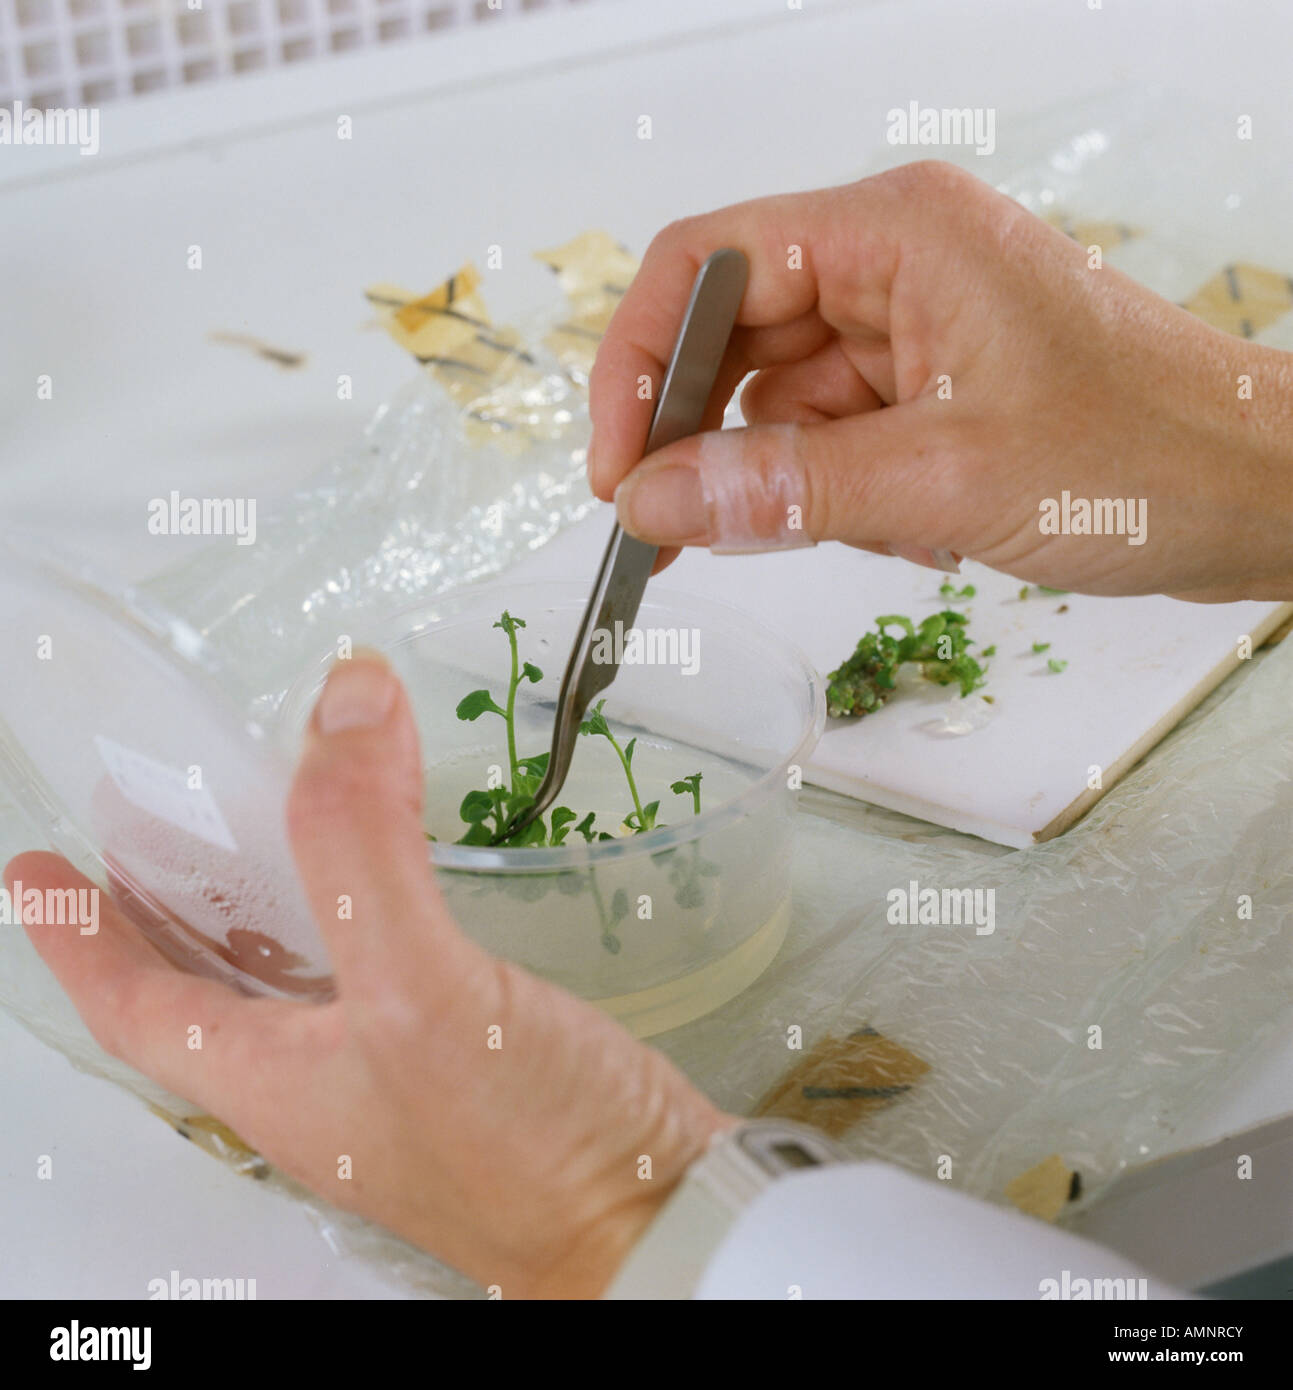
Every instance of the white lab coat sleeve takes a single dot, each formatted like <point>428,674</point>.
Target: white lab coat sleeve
<point>869,1230</point>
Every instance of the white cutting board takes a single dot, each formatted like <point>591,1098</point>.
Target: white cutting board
<point>1136,666</point>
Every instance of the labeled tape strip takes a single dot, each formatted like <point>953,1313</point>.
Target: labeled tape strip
<point>843,1080</point>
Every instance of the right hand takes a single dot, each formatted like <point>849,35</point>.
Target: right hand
<point>1061,378</point>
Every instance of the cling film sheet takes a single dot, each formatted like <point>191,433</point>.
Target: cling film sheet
<point>1125,984</point>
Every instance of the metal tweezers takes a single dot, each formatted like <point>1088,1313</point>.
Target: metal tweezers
<point>627,564</point>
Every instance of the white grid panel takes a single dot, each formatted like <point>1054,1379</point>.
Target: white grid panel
<point>63,53</point>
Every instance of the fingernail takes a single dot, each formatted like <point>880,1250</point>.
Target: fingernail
<point>359,695</point>
<point>666,504</point>
<point>942,560</point>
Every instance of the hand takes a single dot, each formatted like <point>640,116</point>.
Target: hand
<point>1061,377</point>
<point>517,1166</point>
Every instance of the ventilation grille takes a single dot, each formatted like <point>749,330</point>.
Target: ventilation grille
<point>66,53</point>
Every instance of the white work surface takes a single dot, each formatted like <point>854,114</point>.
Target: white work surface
<point>1014,770</point>
<point>517,135</point>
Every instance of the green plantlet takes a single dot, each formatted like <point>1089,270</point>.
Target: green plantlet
<point>498,804</point>
<point>1040,647</point>
<point>689,785</point>
<point>640,819</point>
<point>949,590</point>
<point>1056,666</point>
<point>487,813</point>
<point>939,646</point>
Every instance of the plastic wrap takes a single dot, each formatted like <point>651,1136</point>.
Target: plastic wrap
<point>1125,983</point>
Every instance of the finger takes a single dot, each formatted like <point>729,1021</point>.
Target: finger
<point>355,823</point>
<point>194,1036</point>
<point>835,246</point>
<point>825,385</point>
<point>894,475</point>
<point>668,554</point>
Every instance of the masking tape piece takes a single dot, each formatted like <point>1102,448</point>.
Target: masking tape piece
<point>594,271</point>
<point>1243,299</point>
<point>1045,1189</point>
<point>842,1081</point>
<point>217,1139</point>
<point>485,370</point>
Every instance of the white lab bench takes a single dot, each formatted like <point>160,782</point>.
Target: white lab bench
<point>517,135</point>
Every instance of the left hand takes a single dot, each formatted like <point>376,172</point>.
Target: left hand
<point>518,1166</point>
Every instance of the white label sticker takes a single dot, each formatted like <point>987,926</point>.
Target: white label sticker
<point>164,792</point>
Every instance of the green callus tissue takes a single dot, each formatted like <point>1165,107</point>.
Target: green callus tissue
<point>939,646</point>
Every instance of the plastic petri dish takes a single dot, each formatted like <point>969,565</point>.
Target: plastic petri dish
<point>657,928</point>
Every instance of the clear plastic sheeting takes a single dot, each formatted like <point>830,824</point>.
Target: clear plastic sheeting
<point>1134,964</point>
<point>419,504</point>
<point>1132,923</point>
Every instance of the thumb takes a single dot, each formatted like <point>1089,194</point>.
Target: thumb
<point>354,817</point>
<point>880,477</point>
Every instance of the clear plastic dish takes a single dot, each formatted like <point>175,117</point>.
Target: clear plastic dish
<point>121,747</point>
<point>657,928</point>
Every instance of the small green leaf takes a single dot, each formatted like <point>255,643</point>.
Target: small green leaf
<point>1040,647</point>
<point>596,721</point>
<point>475,807</point>
<point>1044,589</point>
<point>509,624</point>
<point>561,818</point>
<point>689,786</point>
<point>628,750</point>
<point>536,833</point>
<point>477,703</point>
<point>989,651</point>
<point>535,766</point>
<point>1056,666</point>
<point>531,672</point>
<point>1023,593</point>
<point>478,834</point>
<point>585,826</point>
